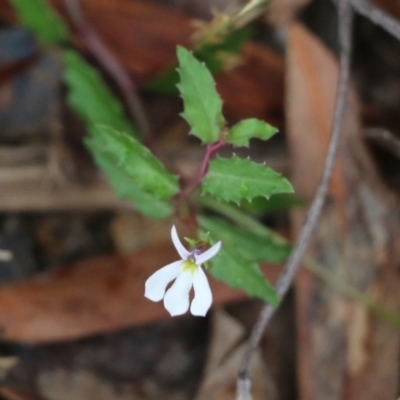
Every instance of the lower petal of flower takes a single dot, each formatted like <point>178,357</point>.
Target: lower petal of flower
<point>202,294</point>
<point>176,300</point>
<point>157,283</point>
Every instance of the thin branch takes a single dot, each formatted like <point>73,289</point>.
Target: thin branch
<point>383,138</point>
<point>377,16</point>
<point>329,278</point>
<point>345,17</point>
<point>111,64</point>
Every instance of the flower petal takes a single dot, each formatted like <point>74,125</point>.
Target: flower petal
<point>202,294</point>
<point>155,285</point>
<point>207,255</point>
<point>176,300</point>
<point>178,245</point>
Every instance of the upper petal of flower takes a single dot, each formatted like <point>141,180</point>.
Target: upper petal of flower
<point>207,255</point>
<point>178,245</point>
<point>156,284</point>
<point>176,300</point>
<point>202,294</point>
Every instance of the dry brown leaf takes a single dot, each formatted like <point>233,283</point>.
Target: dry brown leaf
<point>131,29</point>
<point>255,89</point>
<point>344,351</point>
<point>281,12</point>
<point>6,364</point>
<point>226,351</point>
<point>100,294</point>
<point>80,385</point>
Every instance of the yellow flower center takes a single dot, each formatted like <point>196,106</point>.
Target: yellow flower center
<point>189,265</point>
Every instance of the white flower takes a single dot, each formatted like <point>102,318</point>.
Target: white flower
<point>187,272</point>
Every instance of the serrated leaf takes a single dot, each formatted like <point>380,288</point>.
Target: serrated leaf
<point>202,104</point>
<point>42,20</point>
<point>135,160</point>
<point>235,178</point>
<point>253,246</point>
<point>125,186</point>
<point>239,272</point>
<point>242,132</point>
<point>236,271</point>
<point>277,202</point>
<point>90,97</point>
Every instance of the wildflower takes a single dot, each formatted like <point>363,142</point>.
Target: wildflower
<point>187,272</point>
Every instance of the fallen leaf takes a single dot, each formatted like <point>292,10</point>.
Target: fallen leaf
<point>132,31</point>
<point>226,352</point>
<point>356,238</point>
<point>97,295</point>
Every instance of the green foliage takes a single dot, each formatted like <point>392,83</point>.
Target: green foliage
<point>41,19</point>
<point>255,247</point>
<point>125,186</point>
<point>233,264</point>
<point>202,104</point>
<point>242,132</point>
<point>135,159</point>
<point>233,179</point>
<point>90,97</point>
<point>277,202</point>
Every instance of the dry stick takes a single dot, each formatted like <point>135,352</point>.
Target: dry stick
<point>111,65</point>
<point>383,138</point>
<point>377,16</point>
<point>345,15</point>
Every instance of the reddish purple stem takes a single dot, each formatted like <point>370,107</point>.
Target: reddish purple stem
<point>211,149</point>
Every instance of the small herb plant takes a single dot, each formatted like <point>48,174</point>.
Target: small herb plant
<point>229,236</point>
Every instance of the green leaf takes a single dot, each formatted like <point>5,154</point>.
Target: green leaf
<point>242,132</point>
<point>238,271</point>
<point>254,247</point>
<point>277,202</point>
<point>135,160</point>
<point>42,20</point>
<point>90,97</point>
<point>202,104</point>
<point>125,186</point>
<point>235,178</point>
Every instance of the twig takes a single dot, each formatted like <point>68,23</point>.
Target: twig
<point>385,139</point>
<point>377,16</point>
<point>285,279</point>
<point>111,64</point>
<point>329,278</point>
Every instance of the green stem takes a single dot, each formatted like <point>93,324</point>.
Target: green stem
<point>241,219</point>
<point>318,270</point>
